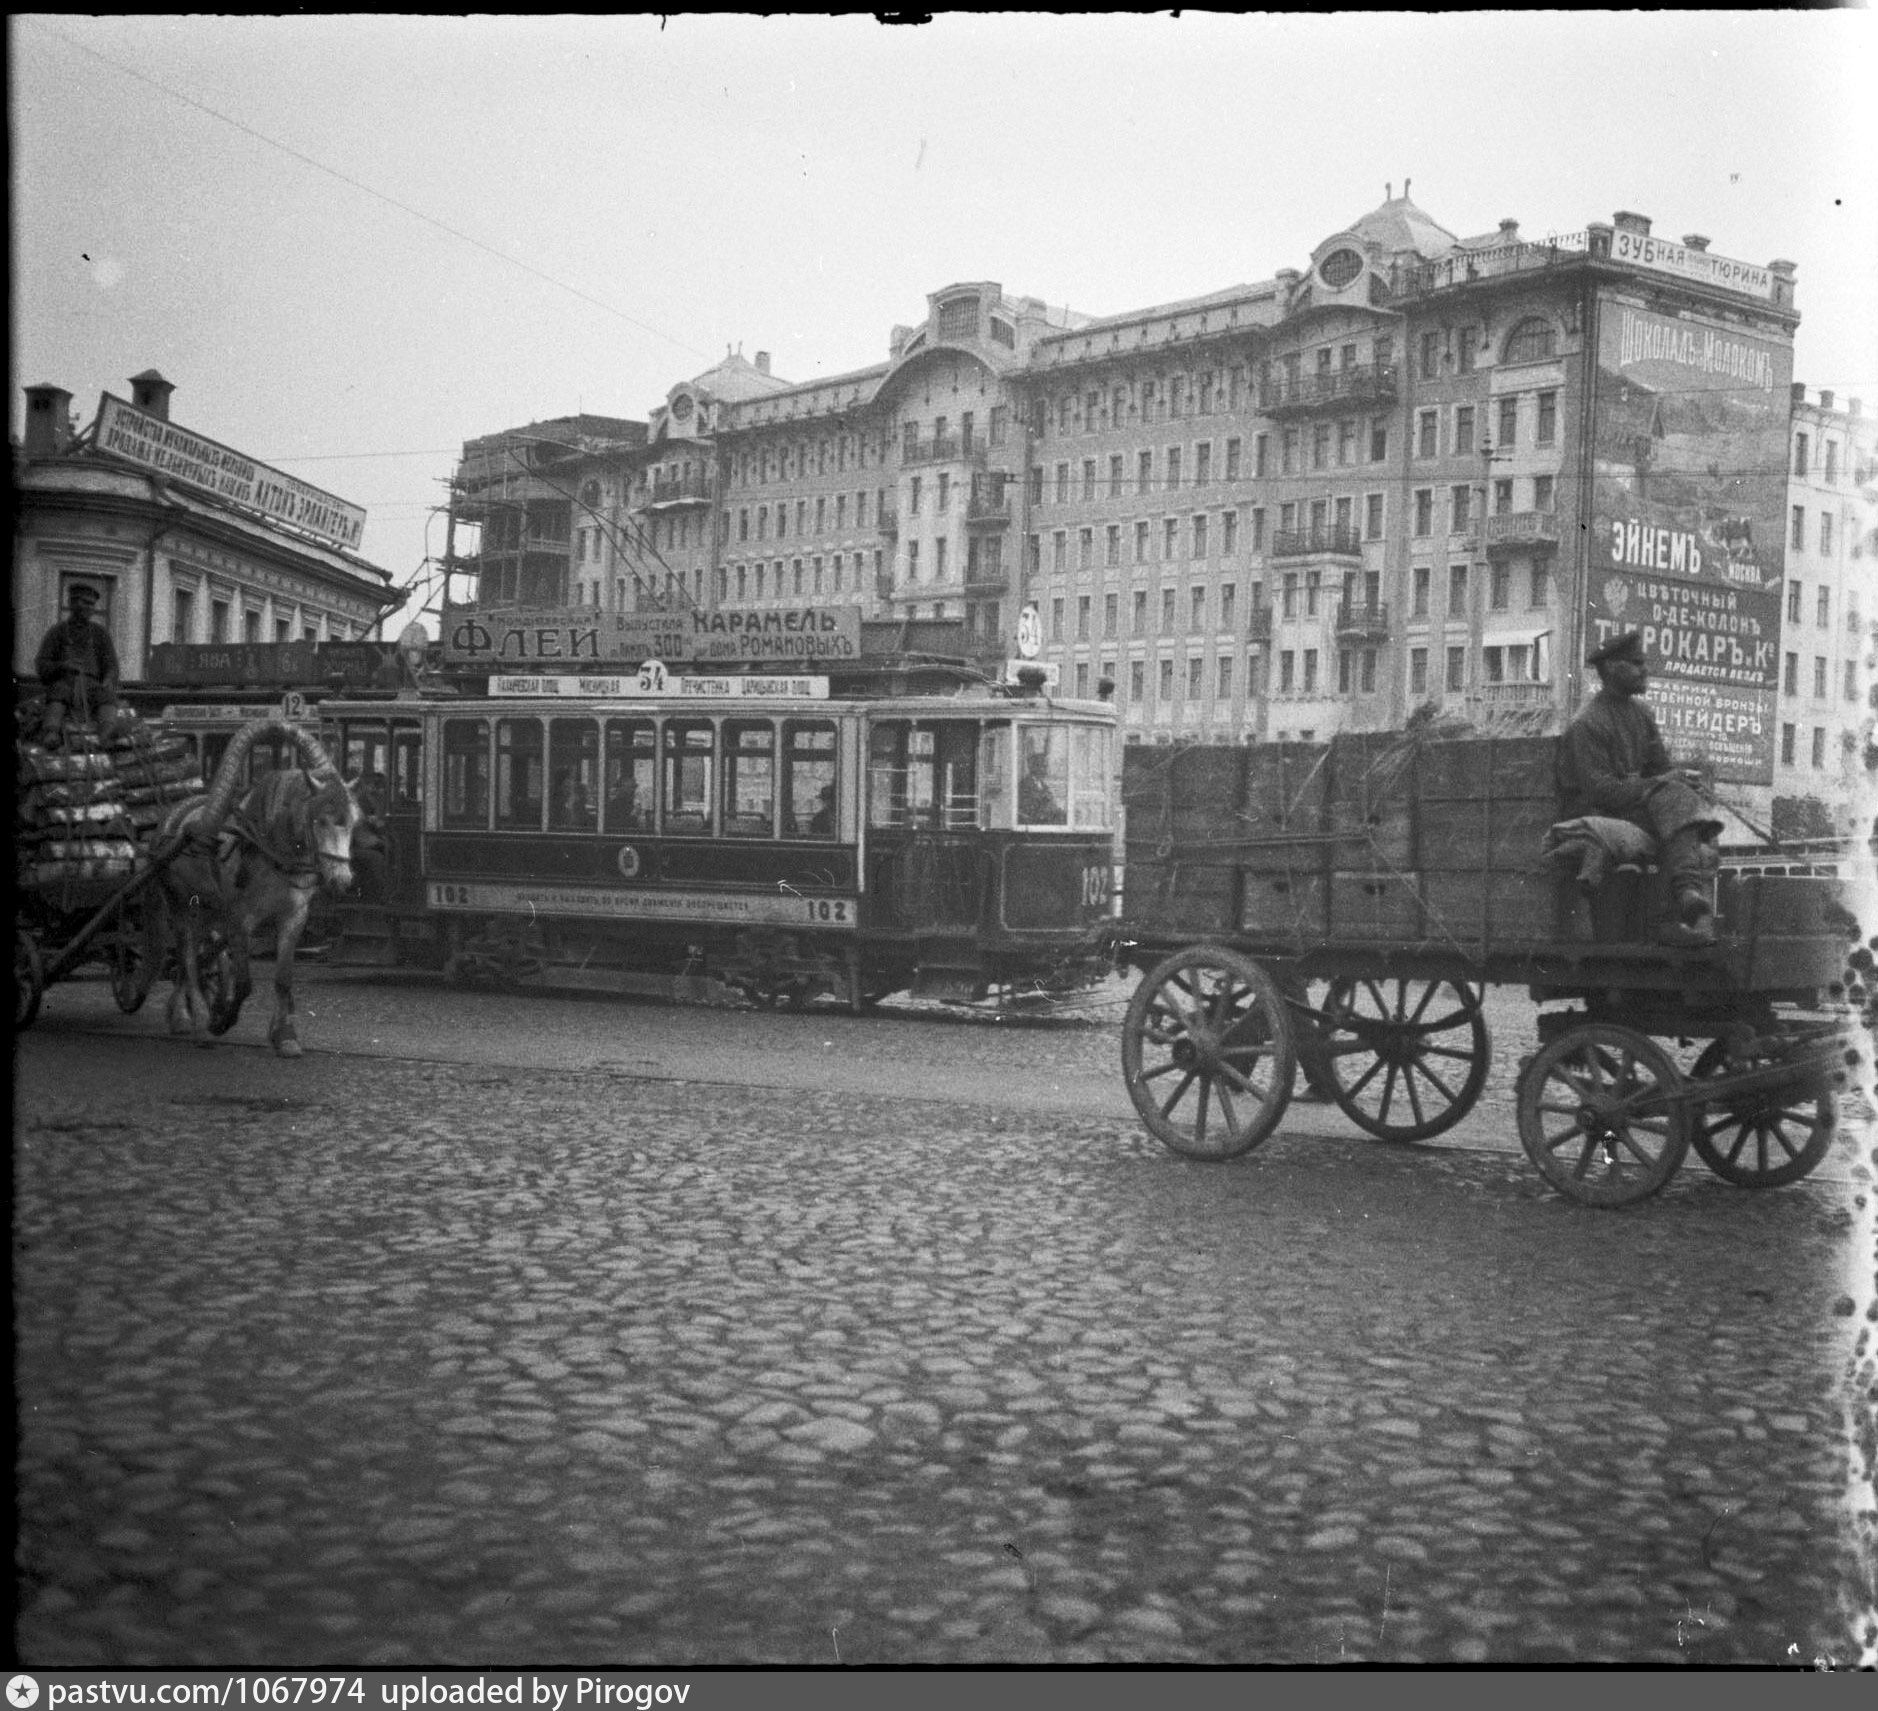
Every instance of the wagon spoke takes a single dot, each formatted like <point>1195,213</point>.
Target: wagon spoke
<point>1428,993</point>
<point>1428,1074</point>
<point>1178,1094</point>
<point>1364,1080</point>
<point>1199,1121</point>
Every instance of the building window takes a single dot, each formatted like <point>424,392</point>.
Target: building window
<point>1228,533</point>
<point>1500,587</point>
<point>1167,611</point>
<point>1197,616</point>
<point>1170,539</point>
<point>1424,510</point>
<point>1173,469</point>
<point>1832,463</point>
<point>1144,472</point>
<point>1232,460</point>
<point>1502,497</point>
<point>1320,446</point>
<point>1509,424</point>
<point>1372,516</point>
<point>1539,584</point>
<point>1823,616</point>
<point>1532,340</point>
<point>1088,478</point>
<point>1825,538</point>
<point>1082,617</point>
<point>1418,671</point>
<point>1427,433</point>
<point>1109,614</point>
<point>1378,439</point>
<point>1141,543</point>
<point>1457,668</point>
<point>1369,671</point>
<point>1790,676</point>
<point>1112,545</point>
<point>1463,429</point>
<point>1203,463</point>
<point>1788,733</point>
<point>1141,612</point>
<point>1262,456</point>
<point>1421,578</point>
<point>1819,747</point>
<point>1227,592</point>
<point>1056,619</point>
<point>1223,689</point>
<point>1460,508</point>
<point>1431,356</point>
<point>1310,671</point>
<point>1344,670</point>
<point>1542,492</point>
<point>1793,602</point>
<point>938,564</point>
<point>1085,549</point>
<point>1799,533</point>
<point>1287,669</point>
<point>1167,680</point>
<point>1457,591</point>
<point>1288,452</point>
<point>1059,550</point>
<point>182,615</point>
<point>1801,454</point>
<point>1313,585</point>
<point>1548,420</point>
<point>250,625</point>
<point>1136,674</point>
<point>1199,536</point>
<point>1819,678</point>
<point>1851,680</point>
<point>1194,668</point>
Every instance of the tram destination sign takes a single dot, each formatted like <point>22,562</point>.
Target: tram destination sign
<point>768,686</point>
<point>528,638</point>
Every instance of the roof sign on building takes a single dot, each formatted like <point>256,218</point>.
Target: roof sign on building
<point>137,436</point>
<point>577,636</point>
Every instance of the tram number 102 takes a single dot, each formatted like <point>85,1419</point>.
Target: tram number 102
<point>1098,883</point>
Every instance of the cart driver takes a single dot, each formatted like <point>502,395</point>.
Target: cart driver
<point>1612,762</point>
<point>77,663</point>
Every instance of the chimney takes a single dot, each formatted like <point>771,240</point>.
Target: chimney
<point>1625,221</point>
<point>1509,230</point>
<point>1695,241</point>
<point>1287,277</point>
<point>1856,407</point>
<point>1799,392</point>
<point>47,421</point>
<point>762,362</point>
<point>1825,399</point>
<point>150,391</point>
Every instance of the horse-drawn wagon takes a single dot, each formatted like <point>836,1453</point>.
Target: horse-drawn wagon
<point>1341,908</point>
<point>123,857</point>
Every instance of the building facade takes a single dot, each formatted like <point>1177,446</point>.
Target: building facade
<point>186,541</point>
<point>1422,471</point>
<point>1828,620</point>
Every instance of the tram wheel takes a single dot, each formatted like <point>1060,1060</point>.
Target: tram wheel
<point>1600,1116</point>
<point>29,978</point>
<point>1761,1139</point>
<point>1405,1064</point>
<point>1208,1053</point>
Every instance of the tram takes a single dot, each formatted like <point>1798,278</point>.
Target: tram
<point>688,834</point>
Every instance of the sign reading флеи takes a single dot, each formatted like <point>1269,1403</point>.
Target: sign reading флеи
<point>525,637</point>
<point>196,461</point>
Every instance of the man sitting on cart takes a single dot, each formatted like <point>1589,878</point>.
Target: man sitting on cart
<point>77,663</point>
<point>1612,762</point>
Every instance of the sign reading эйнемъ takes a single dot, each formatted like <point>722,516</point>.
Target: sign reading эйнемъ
<point>568,635</point>
<point>135,434</point>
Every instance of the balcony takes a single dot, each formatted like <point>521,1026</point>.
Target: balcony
<point>680,490</point>
<point>1362,621</point>
<point>989,505</point>
<point>1368,383</point>
<point>1317,543</point>
<point>1515,531</point>
<point>947,448</point>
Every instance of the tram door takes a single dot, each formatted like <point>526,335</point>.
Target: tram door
<point>385,760</point>
<point>925,866</point>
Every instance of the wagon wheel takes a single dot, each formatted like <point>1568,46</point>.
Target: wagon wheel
<point>29,978</point>
<point>1208,1052</point>
<point>133,957</point>
<point>1599,1115</point>
<point>218,986</point>
<point>1764,1139</point>
<point>1408,1065</point>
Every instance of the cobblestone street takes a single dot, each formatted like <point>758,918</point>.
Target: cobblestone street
<point>389,1362</point>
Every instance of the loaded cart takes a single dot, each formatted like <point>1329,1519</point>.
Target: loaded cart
<point>1338,909</point>
<point>86,820</point>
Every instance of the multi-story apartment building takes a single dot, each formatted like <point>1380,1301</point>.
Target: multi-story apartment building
<point>1424,470</point>
<point>187,540</point>
<point>1828,620</point>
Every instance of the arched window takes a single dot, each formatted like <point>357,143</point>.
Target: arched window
<point>1532,340</point>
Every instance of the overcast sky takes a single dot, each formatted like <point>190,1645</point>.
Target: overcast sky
<point>355,242</point>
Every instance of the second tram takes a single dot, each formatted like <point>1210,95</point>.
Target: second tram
<point>782,837</point>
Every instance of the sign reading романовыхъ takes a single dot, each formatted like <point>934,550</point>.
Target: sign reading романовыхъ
<point>196,461</point>
<point>529,638</point>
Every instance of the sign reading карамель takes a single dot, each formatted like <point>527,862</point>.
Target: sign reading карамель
<point>1688,540</point>
<point>543,636</point>
<point>135,434</point>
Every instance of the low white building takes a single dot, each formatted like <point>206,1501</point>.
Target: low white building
<point>186,540</point>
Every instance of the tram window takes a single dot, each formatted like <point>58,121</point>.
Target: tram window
<point>899,774</point>
<point>407,769</point>
<point>520,776</point>
<point>466,772</point>
<point>574,768</point>
<point>365,751</point>
<point>809,779</point>
<point>749,779</point>
<point>214,746</point>
<point>994,769</point>
<point>1089,763</point>
<point>955,754</point>
<point>630,762</point>
<point>690,747</point>
<point>1043,776</point>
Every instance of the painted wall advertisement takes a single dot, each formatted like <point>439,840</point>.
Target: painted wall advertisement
<point>516,637</point>
<point>1688,511</point>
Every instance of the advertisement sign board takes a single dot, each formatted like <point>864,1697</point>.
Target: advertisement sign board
<point>522,639</point>
<point>268,664</point>
<point>1641,250</point>
<point>199,462</point>
<point>1688,512</point>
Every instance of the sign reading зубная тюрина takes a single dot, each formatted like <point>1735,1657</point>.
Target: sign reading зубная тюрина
<point>536,637</point>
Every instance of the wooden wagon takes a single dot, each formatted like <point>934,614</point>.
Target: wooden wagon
<point>1340,909</point>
